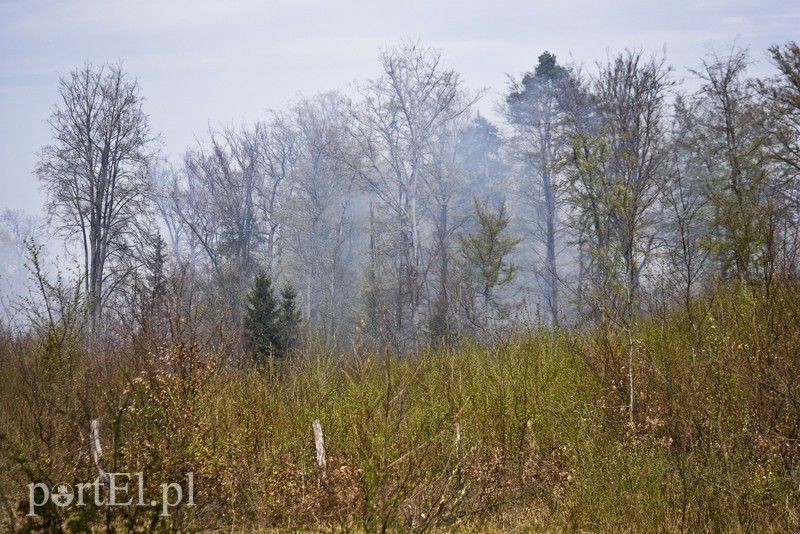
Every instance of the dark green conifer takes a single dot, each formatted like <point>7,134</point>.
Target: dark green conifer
<point>290,319</point>
<point>262,320</point>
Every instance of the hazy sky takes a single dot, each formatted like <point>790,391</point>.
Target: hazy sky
<point>204,62</point>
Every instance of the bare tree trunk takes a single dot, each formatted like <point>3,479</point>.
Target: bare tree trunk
<point>552,272</point>
<point>415,287</point>
<point>444,298</point>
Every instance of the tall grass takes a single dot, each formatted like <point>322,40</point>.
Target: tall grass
<point>547,443</point>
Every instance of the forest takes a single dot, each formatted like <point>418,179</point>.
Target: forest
<point>581,313</point>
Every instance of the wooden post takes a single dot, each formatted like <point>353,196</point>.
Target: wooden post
<point>459,455</point>
<point>97,450</point>
<point>533,444</point>
<point>319,443</point>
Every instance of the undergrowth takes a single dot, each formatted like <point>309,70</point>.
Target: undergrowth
<point>546,440</point>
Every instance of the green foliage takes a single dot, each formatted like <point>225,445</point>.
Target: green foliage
<point>290,320</point>
<point>732,126</point>
<point>271,328</point>
<point>543,82</point>
<point>156,263</point>
<point>57,311</point>
<point>485,251</point>
<point>262,320</point>
<point>535,430</point>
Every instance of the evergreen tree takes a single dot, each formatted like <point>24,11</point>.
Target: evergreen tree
<point>290,319</point>
<point>535,110</point>
<point>156,275</point>
<point>262,320</point>
<point>154,296</point>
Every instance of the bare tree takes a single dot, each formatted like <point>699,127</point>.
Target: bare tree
<point>783,92</point>
<point>219,202</point>
<point>167,181</point>
<point>618,159</point>
<point>95,173</point>
<point>319,216</point>
<point>687,211</point>
<point>401,115</point>
<point>231,196</point>
<point>279,155</point>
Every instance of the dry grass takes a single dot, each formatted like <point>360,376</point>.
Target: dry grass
<point>546,445</point>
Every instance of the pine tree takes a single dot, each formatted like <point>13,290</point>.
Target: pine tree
<point>536,111</point>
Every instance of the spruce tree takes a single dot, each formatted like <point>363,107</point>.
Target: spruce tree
<point>290,319</point>
<point>262,320</point>
<point>156,275</point>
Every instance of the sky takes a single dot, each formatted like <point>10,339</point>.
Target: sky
<point>204,63</point>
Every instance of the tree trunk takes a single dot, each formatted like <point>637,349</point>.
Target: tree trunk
<point>552,273</point>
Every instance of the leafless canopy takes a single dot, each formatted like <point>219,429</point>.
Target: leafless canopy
<point>95,172</point>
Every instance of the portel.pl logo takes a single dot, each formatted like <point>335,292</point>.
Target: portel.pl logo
<point>119,491</point>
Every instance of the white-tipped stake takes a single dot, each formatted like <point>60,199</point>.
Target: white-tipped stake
<point>319,443</point>
<point>97,450</point>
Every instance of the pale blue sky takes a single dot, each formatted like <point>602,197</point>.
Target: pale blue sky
<point>204,62</point>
